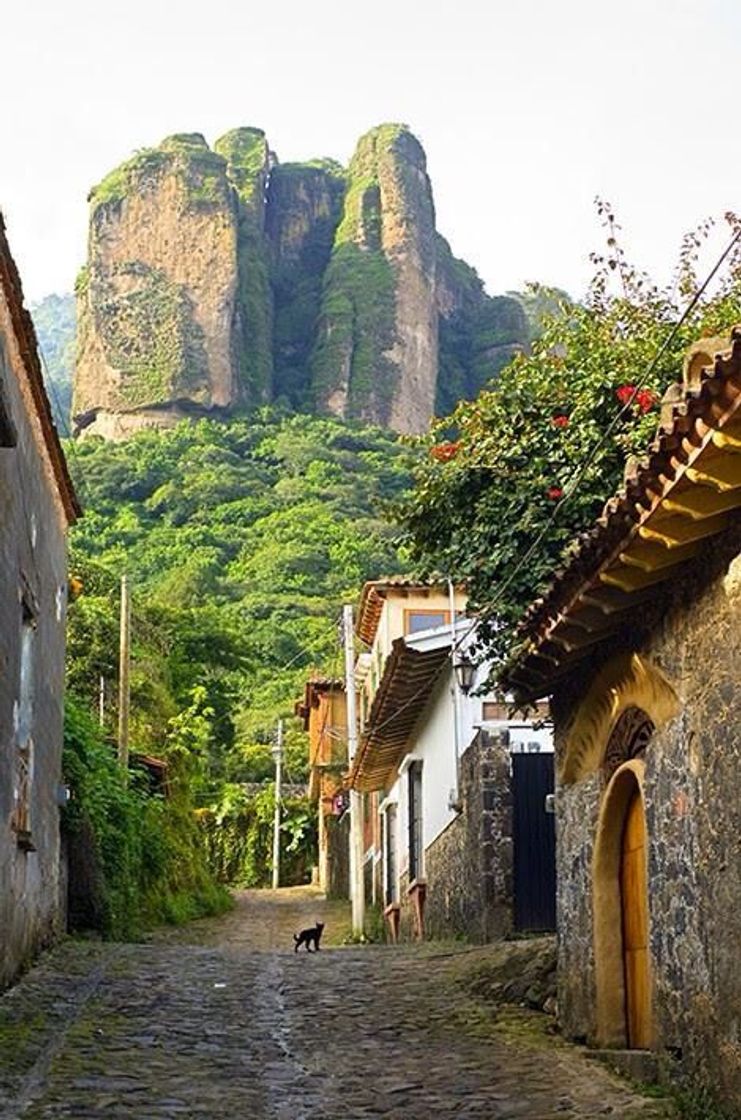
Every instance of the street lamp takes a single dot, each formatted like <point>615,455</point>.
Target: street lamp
<point>465,673</point>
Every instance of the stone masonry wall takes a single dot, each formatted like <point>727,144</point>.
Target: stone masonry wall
<point>468,868</point>
<point>33,576</point>
<point>693,815</point>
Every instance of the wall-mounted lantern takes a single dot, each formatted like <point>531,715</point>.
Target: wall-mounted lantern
<point>465,673</point>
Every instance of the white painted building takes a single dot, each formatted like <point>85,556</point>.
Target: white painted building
<point>418,738</point>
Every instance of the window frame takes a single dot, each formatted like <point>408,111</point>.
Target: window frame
<point>415,821</point>
<point>409,612</point>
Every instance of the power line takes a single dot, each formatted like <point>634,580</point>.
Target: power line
<point>581,469</point>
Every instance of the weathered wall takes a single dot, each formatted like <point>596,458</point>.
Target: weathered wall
<point>32,566</point>
<point>693,812</point>
<point>468,867</point>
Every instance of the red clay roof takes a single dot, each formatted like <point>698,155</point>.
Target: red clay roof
<point>376,591</point>
<point>27,344</point>
<point>687,492</point>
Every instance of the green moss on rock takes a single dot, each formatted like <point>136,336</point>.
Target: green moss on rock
<point>357,328</point>
<point>478,334</point>
<point>146,164</point>
<point>150,337</point>
<point>247,157</point>
<point>305,204</point>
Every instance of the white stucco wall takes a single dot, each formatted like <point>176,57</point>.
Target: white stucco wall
<point>433,743</point>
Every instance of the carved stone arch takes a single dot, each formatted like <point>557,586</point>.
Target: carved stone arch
<point>628,682</point>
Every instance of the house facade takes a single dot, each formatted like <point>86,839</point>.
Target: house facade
<point>37,504</point>
<point>638,643</point>
<point>323,712</point>
<point>436,772</point>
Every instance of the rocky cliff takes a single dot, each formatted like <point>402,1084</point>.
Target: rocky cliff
<point>221,279</point>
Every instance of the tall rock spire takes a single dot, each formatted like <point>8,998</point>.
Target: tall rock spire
<point>221,280</point>
<point>157,299</point>
<point>376,352</point>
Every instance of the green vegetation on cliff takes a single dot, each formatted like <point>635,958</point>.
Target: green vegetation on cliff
<point>305,202</point>
<point>352,364</point>
<point>153,338</point>
<point>335,299</point>
<point>478,334</point>
<point>247,162</point>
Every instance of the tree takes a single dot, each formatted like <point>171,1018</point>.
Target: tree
<point>511,478</point>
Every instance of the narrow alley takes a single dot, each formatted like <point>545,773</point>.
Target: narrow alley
<point>223,1019</point>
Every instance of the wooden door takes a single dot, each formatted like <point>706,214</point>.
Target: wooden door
<point>634,891</point>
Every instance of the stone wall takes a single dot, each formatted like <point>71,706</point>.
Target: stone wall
<point>693,813</point>
<point>468,867</point>
<point>33,581</point>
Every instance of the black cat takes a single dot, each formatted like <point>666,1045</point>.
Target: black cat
<point>307,936</point>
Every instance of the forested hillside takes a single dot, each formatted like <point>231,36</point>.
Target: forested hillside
<point>241,542</point>
<point>55,321</point>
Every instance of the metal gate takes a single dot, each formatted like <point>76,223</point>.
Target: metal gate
<point>534,843</point>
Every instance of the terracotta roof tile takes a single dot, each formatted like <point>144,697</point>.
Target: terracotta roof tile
<point>681,477</point>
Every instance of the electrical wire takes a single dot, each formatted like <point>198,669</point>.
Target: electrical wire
<point>581,469</point>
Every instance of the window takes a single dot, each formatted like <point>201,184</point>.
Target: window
<point>414,776</point>
<point>23,720</point>
<point>416,621</point>
<point>390,870</point>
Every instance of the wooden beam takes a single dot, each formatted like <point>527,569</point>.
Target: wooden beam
<point>633,579</point>
<point>699,501</point>
<point>651,557</point>
<point>573,638</point>
<point>611,601</point>
<point>723,472</point>
<point>681,530</point>
<point>728,440</point>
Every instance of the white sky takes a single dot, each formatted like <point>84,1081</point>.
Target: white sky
<point>526,108</point>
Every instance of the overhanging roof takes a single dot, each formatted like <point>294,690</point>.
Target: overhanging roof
<point>376,591</point>
<point>312,691</point>
<point>25,334</point>
<point>404,691</point>
<point>687,493</point>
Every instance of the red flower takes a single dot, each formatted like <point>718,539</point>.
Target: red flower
<point>560,421</point>
<point>645,399</point>
<point>554,493</point>
<point>445,451</point>
<point>625,393</point>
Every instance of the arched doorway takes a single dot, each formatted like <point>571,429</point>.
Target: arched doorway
<point>621,914</point>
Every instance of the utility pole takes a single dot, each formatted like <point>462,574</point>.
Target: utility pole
<point>357,878</point>
<point>278,756</point>
<point>454,797</point>
<point>124,666</point>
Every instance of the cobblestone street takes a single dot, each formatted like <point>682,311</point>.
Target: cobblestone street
<point>221,1019</point>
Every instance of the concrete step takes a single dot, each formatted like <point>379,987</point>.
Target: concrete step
<point>639,1065</point>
